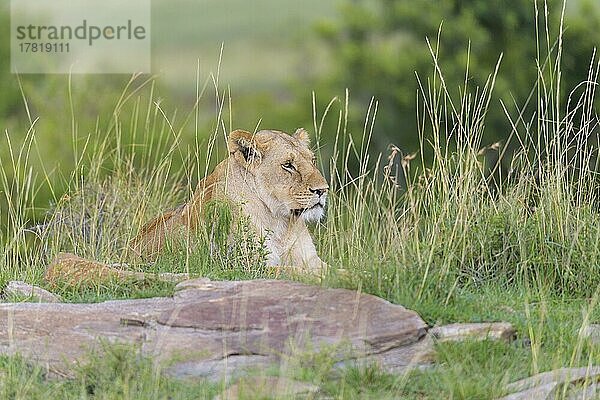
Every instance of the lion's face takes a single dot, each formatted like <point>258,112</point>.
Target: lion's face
<point>284,169</point>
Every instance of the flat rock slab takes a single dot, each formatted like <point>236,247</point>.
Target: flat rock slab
<point>22,289</point>
<point>576,383</point>
<point>592,332</point>
<point>216,329</point>
<point>458,332</point>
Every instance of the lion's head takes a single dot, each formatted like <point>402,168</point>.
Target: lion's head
<point>283,169</point>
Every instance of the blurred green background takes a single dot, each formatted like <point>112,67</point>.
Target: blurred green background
<point>276,53</point>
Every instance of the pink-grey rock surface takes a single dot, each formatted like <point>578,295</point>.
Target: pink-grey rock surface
<point>568,383</point>
<point>502,331</point>
<point>35,293</point>
<point>214,329</point>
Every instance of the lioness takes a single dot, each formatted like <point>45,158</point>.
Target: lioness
<point>273,177</point>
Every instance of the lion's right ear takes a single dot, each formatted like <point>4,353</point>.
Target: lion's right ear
<point>302,135</point>
<point>243,146</point>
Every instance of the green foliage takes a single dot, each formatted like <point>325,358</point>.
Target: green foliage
<point>87,222</point>
<point>454,244</point>
<point>470,370</point>
<point>19,380</point>
<point>368,382</point>
<point>223,246</point>
<point>112,372</point>
<point>378,46</point>
<point>10,97</point>
<point>115,289</point>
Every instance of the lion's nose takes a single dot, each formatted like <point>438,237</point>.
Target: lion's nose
<point>318,191</point>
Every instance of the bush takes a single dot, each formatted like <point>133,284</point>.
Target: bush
<point>379,45</point>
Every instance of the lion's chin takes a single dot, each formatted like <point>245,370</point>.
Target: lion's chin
<point>312,214</point>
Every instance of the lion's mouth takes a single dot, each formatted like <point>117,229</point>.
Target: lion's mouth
<point>299,211</point>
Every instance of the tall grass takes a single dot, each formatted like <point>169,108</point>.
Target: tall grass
<point>434,224</point>
<point>518,214</point>
<point>124,174</point>
<point>476,225</point>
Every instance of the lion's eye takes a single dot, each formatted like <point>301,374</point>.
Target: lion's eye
<point>288,166</point>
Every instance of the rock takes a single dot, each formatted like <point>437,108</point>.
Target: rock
<point>540,392</point>
<point>422,354</point>
<point>562,375</point>
<point>232,366</point>
<point>592,332</point>
<point>474,331</point>
<point>588,392</point>
<point>218,330</point>
<point>22,289</point>
<point>72,270</point>
<point>546,385</point>
<point>268,387</point>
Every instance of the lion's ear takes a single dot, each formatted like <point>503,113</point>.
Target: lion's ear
<point>302,135</point>
<point>243,145</point>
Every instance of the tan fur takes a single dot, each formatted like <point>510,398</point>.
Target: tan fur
<point>69,269</point>
<point>272,176</point>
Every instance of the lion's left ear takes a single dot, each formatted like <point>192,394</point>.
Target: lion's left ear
<point>302,135</point>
